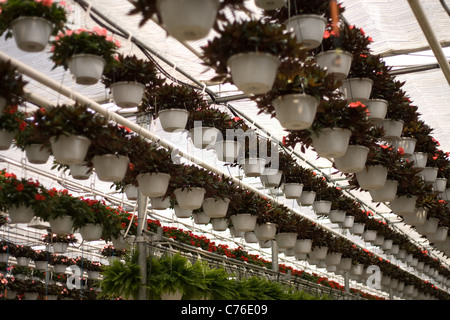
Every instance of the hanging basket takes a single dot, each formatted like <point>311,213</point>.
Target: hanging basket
<point>80,171</point>
<point>190,198</point>
<point>182,213</point>
<point>153,184</point>
<point>111,167</point>
<point>387,244</point>
<point>188,20</point>
<point>345,264</point>
<point>270,4</point>
<point>322,207</point>
<point>70,149</point>
<point>308,29</point>
<point>37,154</point>
<point>61,225</point>
<point>91,232</point>
<point>201,218</point>
<point>60,268</point>
<point>31,34</point>
<point>219,224</point>
<point>318,253</point>
<point>244,222</point>
<point>331,142</point>
<point>377,110</point>
<point>439,185</point>
<point>418,159</point>
<point>429,227</point>
<point>370,236</point>
<point>271,178</point>
<point>403,205</point>
<point>87,69</point>
<point>131,191</point>
<point>357,229</point>
<point>357,89</point>
<point>392,128</point>
<point>292,190</point>
<point>6,139</point>
<point>372,177</point>
<point>204,137</point>
<point>227,150</point>
<point>127,94</point>
<point>160,203</point>
<point>295,111</point>
<point>254,167</point>
<point>354,159</point>
<point>387,193</point>
<point>439,236</point>
<point>23,261</point>
<point>286,240</point>
<point>406,143</point>
<point>307,198</point>
<point>266,231</point>
<point>303,246</point>
<point>336,216</point>
<point>20,214</point>
<point>250,237</point>
<point>60,247</point>
<point>333,258</point>
<point>348,222</point>
<point>41,265</point>
<point>173,119</point>
<point>253,72</point>
<point>336,62</point>
<point>429,174</point>
<point>215,208</point>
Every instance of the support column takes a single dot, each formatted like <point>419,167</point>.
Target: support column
<point>275,266</point>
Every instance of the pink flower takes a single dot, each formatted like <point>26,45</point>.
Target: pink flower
<point>100,31</point>
<point>47,3</point>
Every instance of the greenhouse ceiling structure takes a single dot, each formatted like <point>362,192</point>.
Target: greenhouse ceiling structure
<point>411,36</point>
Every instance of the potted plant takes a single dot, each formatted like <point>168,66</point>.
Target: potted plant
<point>31,22</point>
<point>187,186</point>
<point>59,242</point>
<point>218,193</point>
<point>22,198</point>
<point>286,222</point>
<point>96,223</point>
<point>244,210</point>
<point>172,104</point>
<point>31,140</point>
<point>251,51</point>
<point>69,130</point>
<point>12,122</point>
<point>86,53</point>
<point>12,90</point>
<point>42,258</point>
<point>128,78</point>
<point>110,251</point>
<point>61,262</point>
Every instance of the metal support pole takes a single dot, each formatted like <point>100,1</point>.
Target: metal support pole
<point>275,266</point>
<point>347,282</point>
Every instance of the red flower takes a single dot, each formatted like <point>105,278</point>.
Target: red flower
<point>401,151</point>
<point>20,187</point>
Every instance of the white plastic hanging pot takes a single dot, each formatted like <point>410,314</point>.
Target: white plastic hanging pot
<point>244,222</point>
<point>250,237</point>
<point>190,198</point>
<point>264,244</point>
<point>173,119</point>
<point>91,232</point>
<point>254,167</point>
<point>153,184</point>
<point>270,4</point>
<point>61,225</point>
<point>20,214</point>
<point>308,29</point>
<point>336,62</point>
<point>127,94</point>
<point>333,258</point>
<point>429,174</point>
<point>215,208</point>
<point>354,159</point>
<point>295,111</point>
<point>6,139</point>
<point>307,198</point>
<point>204,137</point>
<point>60,247</point>
<point>387,244</point>
<point>406,143</point>
<point>357,89</point>
<point>201,218</point>
<point>69,149</point>
<point>80,171</point>
<point>394,249</point>
<point>372,177</point>
<point>345,264</point>
<point>111,167</point>
<point>303,246</point>
<point>322,207</point>
<point>286,240</point>
<point>31,34</point>
<point>182,213</point>
<point>318,253</point>
<point>131,191</point>
<point>348,222</point>
<point>336,216</point>
<point>386,194</point>
<point>160,203</point>
<point>439,236</point>
<point>419,159</point>
<point>265,231</point>
<point>377,110</point>
<point>37,154</point>
<point>41,265</point>
<point>403,205</point>
<point>357,228</point>
<point>369,235</point>
<point>253,72</point>
<point>188,20</point>
<point>292,190</point>
<point>440,184</point>
<point>392,128</point>
<point>271,178</point>
<point>227,150</point>
<point>331,142</point>
<point>429,227</point>
<point>87,69</point>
